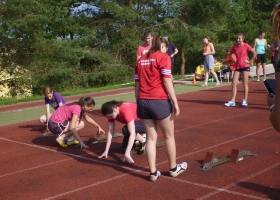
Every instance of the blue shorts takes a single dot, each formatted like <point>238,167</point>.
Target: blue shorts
<point>244,69</point>
<point>153,109</point>
<point>209,62</point>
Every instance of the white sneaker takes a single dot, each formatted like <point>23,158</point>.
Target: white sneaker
<point>154,177</point>
<point>244,103</point>
<point>230,103</point>
<point>180,168</point>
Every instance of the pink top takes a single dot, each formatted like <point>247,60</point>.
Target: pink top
<point>149,72</point>
<point>127,113</point>
<point>142,50</point>
<point>65,112</point>
<point>241,53</point>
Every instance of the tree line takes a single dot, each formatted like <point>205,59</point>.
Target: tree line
<point>72,44</point>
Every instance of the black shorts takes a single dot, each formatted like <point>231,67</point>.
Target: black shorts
<point>261,58</point>
<point>244,69</point>
<point>153,109</point>
<point>57,128</point>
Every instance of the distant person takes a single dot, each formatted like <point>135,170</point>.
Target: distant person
<point>274,45</point>
<point>144,48</point>
<point>157,104</point>
<point>172,51</point>
<point>260,45</point>
<point>242,66</point>
<point>53,99</point>
<point>208,52</point>
<point>66,121</point>
<point>230,68</point>
<point>125,113</point>
<point>199,74</point>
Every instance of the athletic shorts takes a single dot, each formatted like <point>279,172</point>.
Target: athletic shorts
<point>261,58</point>
<point>57,128</point>
<point>153,109</point>
<point>244,69</point>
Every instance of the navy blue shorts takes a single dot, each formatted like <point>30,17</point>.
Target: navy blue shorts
<point>261,58</point>
<point>153,109</point>
<point>245,69</point>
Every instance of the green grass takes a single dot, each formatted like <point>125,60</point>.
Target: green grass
<point>29,114</point>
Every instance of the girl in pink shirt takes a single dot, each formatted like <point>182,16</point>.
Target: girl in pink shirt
<point>66,121</point>
<point>242,64</point>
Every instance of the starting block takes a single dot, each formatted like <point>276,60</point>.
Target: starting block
<point>236,155</point>
<point>94,140</point>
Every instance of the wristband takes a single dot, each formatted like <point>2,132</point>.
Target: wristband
<point>271,108</point>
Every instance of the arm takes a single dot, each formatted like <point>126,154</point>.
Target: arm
<point>254,46</point>
<point>73,129</point>
<point>48,114</point>
<point>275,114</point>
<point>253,56</point>
<point>175,52</point>
<point>109,140</point>
<point>92,122</point>
<point>131,129</point>
<point>170,90</point>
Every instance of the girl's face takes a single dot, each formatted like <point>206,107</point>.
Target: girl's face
<point>205,40</point>
<point>262,35</point>
<point>88,108</point>
<point>239,39</point>
<point>49,95</point>
<point>164,48</point>
<point>114,114</point>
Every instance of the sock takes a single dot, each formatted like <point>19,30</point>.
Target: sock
<point>155,173</point>
<point>62,139</point>
<point>70,139</point>
<point>174,169</point>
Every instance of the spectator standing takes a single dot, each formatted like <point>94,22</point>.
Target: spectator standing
<point>172,51</point>
<point>144,48</point>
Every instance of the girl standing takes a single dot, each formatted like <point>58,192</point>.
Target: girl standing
<point>124,112</point>
<point>155,96</point>
<point>242,64</point>
<point>208,53</point>
<point>66,121</point>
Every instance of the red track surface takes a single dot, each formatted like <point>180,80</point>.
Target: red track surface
<point>35,167</point>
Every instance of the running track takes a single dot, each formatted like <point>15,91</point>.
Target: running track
<point>35,167</point>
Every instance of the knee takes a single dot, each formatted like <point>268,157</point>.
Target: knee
<point>82,124</point>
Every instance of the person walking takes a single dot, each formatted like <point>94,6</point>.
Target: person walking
<point>208,52</point>
<point>242,66</point>
<point>156,99</point>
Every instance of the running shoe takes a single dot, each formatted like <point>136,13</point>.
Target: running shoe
<point>230,103</point>
<point>179,169</point>
<point>72,142</point>
<point>61,142</point>
<point>258,79</point>
<point>142,148</point>
<point>244,103</point>
<point>155,177</point>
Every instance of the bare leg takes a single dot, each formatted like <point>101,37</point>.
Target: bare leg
<point>234,84</point>
<point>167,128</point>
<point>206,77</point>
<point>151,131</point>
<point>215,75</point>
<point>264,71</point>
<point>245,76</point>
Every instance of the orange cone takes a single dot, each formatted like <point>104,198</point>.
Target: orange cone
<point>194,80</point>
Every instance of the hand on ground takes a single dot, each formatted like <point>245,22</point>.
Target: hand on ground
<point>127,158</point>
<point>105,154</point>
<point>83,145</point>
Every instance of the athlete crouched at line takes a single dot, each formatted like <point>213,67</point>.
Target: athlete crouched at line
<point>153,88</point>
<point>125,113</point>
<point>66,121</point>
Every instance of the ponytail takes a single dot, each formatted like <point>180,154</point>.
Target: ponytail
<point>83,101</point>
<point>156,45</point>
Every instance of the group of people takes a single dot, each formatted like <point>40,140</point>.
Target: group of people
<point>156,106</point>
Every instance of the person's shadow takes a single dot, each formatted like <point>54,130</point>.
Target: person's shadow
<point>271,193</point>
<point>83,156</point>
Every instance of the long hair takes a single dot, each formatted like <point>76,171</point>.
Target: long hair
<point>276,22</point>
<point>47,90</point>
<point>156,45</point>
<point>83,101</point>
<point>108,107</point>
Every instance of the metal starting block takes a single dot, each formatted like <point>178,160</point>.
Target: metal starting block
<point>236,155</point>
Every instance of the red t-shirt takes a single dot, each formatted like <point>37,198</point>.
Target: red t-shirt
<point>241,53</point>
<point>149,72</point>
<point>127,113</point>
<point>142,50</point>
